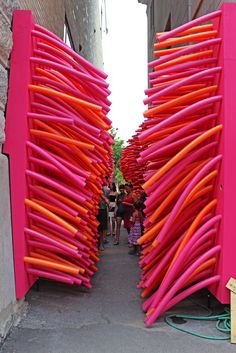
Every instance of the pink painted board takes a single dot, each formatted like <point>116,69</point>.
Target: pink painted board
<point>16,137</point>
<point>226,184</point>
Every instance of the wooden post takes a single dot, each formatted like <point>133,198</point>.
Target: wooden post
<point>231,285</point>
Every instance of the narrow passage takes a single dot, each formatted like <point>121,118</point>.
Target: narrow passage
<point>105,319</point>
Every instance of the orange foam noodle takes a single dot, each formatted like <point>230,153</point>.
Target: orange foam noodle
<point>66,97</point>
<point>66,140</point>
<point>188,38</point>
<point>195,29</point>
<point>51,215</point>
<point>49,264</point>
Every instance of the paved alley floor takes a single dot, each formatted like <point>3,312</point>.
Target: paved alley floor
<point>106,319</point>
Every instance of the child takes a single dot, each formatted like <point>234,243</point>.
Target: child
<point>136,228</point>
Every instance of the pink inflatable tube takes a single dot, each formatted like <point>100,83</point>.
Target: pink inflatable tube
<point>179,227</point>
<point>198,252</point>
<point>77,179</point>
<point>151,91</point>
<point>58,172</point>
<point>55,53</point>
<point>74,91</point>
<point>50,241</point>
<point>181,67</point>
<point>164,261</point>
<point>56,119</point>
<point>59,75</point>
<point>76,278</point>
<point>44,164</point>
<point>44,274</point>
<point>187,50</point>
<point>55,185</point>
<point>46,35</point>
<point>176,135</point>
<point>51,105</point>
<point>178,265</point>
<point>68,71</point>
<point>193,78</point>
<point>172,249</point>
<point>74,168</point>
<point>173,172</point>
<point>74,242</point>
<point>174,76</point>
<point>188,25</point>
<point>196,287</point>
<point>51,167</point>
<point>47,56</point>
<point>48,247</point>
<point>185,193</point>
<point>178,283</point>
<point>205,103</point>
<point>88,136</point>
<point>202,245</point>
<point>53,200</point>
<point>172,147</point>
<point>61,107</point>
<point>51,225</point>
<point>52,248</point>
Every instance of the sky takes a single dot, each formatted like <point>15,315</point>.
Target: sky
<point>125,62</point>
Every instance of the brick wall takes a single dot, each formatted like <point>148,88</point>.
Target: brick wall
<point>47,13</point>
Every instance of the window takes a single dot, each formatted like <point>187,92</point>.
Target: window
<point>67,38</point>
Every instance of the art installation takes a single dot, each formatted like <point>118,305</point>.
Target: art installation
<point>186,147</point>
<point>60,151</point>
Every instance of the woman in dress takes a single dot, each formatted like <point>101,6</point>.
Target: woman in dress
<point>128,202</point>
<point>112,204</point>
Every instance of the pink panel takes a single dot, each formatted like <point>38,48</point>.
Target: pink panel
<point>226,188</point>
<point>16,136</point>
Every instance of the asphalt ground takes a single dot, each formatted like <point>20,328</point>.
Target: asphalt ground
<point>108,318</point>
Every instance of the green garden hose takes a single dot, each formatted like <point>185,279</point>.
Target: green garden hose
<point>222,324</point>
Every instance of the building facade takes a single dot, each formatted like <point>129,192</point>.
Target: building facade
<point>164,15</point>
<point>81,24</point>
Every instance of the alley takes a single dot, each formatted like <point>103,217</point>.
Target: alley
<point>108,318</point>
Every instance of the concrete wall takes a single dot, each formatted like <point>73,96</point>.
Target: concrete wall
<point>84,22</point>
<point>161,13</point>
<point>87,29</point>
<point>83,18</point>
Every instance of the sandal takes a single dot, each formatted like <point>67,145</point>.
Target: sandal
<point>116,243</point>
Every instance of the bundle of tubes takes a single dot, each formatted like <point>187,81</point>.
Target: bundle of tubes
<point>131,170</point>
<point>179,143</point>
<point>69,155</point>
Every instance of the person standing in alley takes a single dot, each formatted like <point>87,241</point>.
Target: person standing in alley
<point>112,204</point>
<point>128,202</point>
<point>102,217</point>
<point>119,212</point>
